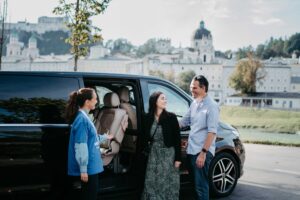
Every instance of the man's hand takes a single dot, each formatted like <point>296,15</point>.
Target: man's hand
<point>201,159</point>
<point>84,177</point>
<point>177,164</point>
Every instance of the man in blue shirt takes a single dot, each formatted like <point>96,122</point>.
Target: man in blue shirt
<point>203,118</point>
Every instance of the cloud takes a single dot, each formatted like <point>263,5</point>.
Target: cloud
<point>217,8</point>
<point>263,13</point>
<point>193,2</point>
<point>263,21</point>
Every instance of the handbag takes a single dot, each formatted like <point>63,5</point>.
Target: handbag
<point>147,149</point>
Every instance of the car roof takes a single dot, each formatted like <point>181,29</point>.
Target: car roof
<point>80,74</point>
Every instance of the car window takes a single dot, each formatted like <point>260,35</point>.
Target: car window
<point>101,92</point>
<point>34,99</point>
<point>176,103</point>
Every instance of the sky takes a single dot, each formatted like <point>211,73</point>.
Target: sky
<point>233,23</point>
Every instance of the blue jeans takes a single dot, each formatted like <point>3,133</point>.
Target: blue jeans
<point>200,176</point>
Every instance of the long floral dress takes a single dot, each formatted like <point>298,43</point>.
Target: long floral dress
<point>162,178</point>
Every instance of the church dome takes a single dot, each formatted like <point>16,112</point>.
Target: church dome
<point>201,32</point>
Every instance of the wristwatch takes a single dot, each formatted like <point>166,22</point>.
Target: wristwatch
<point>204,150</point>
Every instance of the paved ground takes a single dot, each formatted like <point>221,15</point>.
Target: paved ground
<point>270,173</point>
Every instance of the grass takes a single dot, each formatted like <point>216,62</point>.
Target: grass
<point>268,120</point>
<point>261,137</point>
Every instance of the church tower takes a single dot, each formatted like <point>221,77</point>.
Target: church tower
<point>32,51</point>
<point>202,43</point>
<point>13,48</point>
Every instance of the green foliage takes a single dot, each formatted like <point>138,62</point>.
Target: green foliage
<point>120,45</point>
<point>147,48</point>
<point>184,80</point>
<point>243,52</point>
<point>47,43</point>
<point>247,73</point>
<point>53,42</point>
<point>79,14</point>
<point>272,48</point>
<point>293,43</point>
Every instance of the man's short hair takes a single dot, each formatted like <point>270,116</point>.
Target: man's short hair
<point>202,81</point>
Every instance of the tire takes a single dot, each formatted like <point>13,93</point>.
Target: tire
<point>223,174</point>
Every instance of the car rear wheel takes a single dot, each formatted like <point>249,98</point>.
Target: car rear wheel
<point>223,174</point>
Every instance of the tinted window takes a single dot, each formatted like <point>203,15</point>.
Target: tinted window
<point>34,99</point>
<point>176,103</point>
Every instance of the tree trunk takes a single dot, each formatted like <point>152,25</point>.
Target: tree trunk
<point>75,63</point>
<point>76,46</point>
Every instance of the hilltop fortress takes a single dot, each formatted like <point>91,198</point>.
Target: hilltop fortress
<point>44,24</point>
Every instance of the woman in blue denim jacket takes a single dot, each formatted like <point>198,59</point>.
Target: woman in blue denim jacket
<point>84,157</point>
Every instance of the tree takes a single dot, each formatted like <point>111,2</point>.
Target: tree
<point>52,42</point>
<point>292,44</point>
<point>79,15</point>
<point>247,73</point>
<point>184,80</point>
<point>242,52</point>
<point>228,54</point>
<point>147,48</point>
<point>120,45</point>
<point>260,50</point>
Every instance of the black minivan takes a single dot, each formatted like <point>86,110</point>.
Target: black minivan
<point>34,136</point>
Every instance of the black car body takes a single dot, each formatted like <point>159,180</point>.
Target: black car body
<point>34,136</point>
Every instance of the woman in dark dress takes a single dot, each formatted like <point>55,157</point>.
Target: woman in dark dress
<point>162,129</point>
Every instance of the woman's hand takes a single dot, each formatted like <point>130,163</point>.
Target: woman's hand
<point>109,136</point>
<point>84,177</point>
<point>177,164</point>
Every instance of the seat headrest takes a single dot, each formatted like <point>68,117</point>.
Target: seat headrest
<point>111,100</point>
<point>124,94</point>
